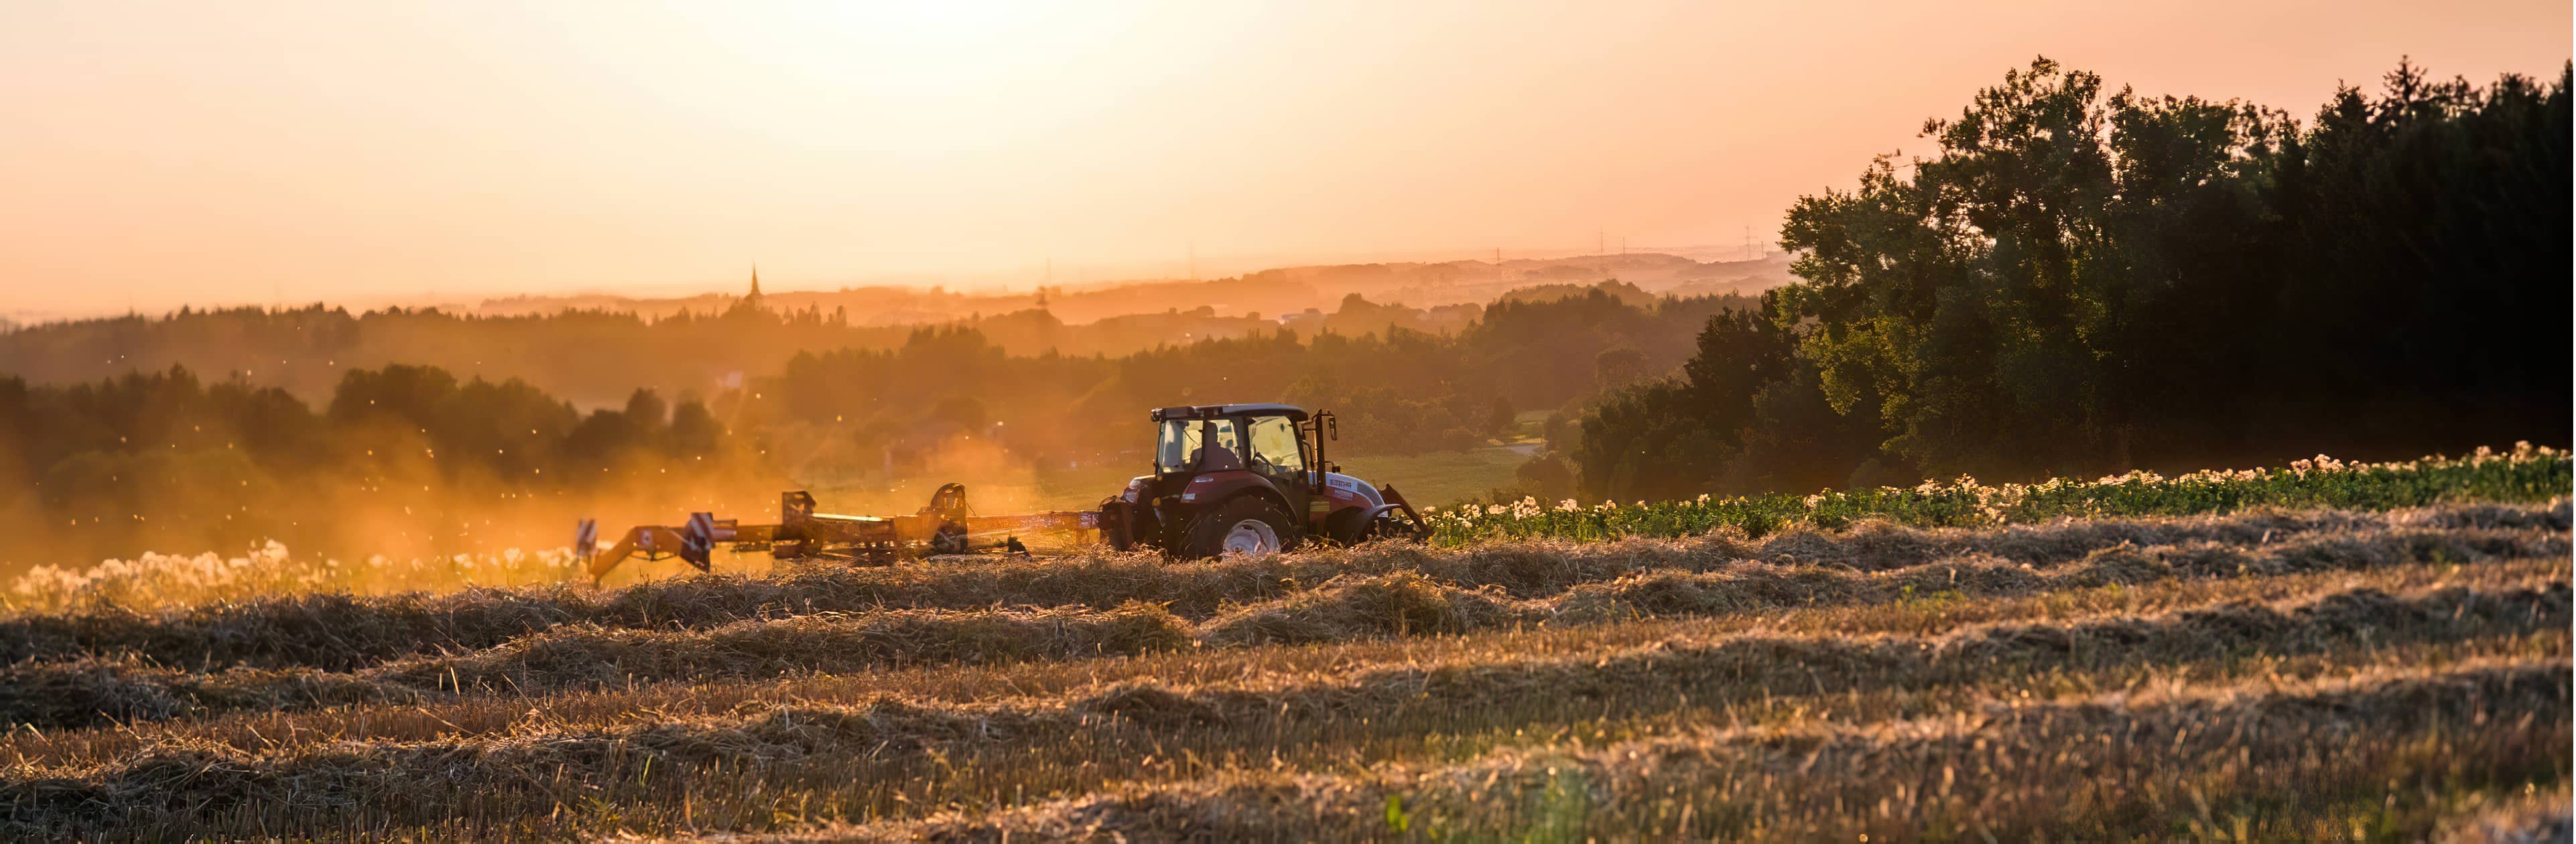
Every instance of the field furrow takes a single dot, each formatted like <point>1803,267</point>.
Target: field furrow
<point>2282,762</point>
<point>97,690</point>
<point>1110,727</point>
<point>341,632</point>
<point>2267,675</point>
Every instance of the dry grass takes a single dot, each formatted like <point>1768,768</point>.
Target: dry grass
<point>95,690</point>
<point>903,738</point>
<point>341,632</point>
<point>2269,675</point>
<point>2280,759</point>
<point>2532,815</point>
<point>451,716</point>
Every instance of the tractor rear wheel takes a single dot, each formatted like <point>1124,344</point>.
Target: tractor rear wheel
<point>1248,525</point>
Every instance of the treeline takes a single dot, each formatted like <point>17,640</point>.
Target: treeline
<point>166,460</point>
<point>2079,283</point>
<point>1397,391</point>
<point>417,457</point>
<point>594,357</point>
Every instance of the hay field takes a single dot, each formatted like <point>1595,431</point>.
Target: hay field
<point>2269,674</point>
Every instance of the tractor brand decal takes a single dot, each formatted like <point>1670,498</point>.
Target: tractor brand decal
<point>1354,488</point>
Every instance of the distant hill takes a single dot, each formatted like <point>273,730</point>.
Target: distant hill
<point>1266,293</point>
<point>594,350</point>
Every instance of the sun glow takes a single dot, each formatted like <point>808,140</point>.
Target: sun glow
<point>160,153</point>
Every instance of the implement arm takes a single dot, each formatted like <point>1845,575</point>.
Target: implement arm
<point>946,526</point>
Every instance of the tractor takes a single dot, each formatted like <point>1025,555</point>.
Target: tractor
<point>1228,479</point>
<point>1249,479</point>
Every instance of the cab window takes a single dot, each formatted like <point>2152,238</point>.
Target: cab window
<point>1190,445</point>
<point>1275,449</point>
<point>1224,446</point>
<point>1178,448</point>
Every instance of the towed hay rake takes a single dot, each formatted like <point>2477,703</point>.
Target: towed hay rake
<point>1228,479</point>
<point>947,525</point>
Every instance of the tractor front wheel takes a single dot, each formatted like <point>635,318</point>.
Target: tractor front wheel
<point>1248,525</point>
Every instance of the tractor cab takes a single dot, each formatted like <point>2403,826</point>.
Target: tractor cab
<point>1269,441</point>
<point>1247,478</point>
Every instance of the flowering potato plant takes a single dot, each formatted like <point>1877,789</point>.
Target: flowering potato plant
<point>2527,473</point>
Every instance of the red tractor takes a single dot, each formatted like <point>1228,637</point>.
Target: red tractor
<point>1249,479</point>
<point>1228,479</point>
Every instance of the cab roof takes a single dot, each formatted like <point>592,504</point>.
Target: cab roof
<point>1206,411</point>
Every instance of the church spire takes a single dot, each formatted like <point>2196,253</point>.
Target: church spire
<point>755,284</point>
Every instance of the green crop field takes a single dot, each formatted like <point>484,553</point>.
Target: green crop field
<point>2326,651</point>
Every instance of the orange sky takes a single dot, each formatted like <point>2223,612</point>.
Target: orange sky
<point>153,154</point>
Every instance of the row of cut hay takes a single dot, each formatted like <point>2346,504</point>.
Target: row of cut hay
<point>2293,763</point>
<point>816,741</point>
<point>88,691</point>
<point>1924,615</point>
<point>1406,604</point>
<point>342,632</point>
<point>94,691</point>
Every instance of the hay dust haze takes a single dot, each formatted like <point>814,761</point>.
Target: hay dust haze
<point>156,154</point>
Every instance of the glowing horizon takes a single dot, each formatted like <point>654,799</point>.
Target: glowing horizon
<point>202,154</point>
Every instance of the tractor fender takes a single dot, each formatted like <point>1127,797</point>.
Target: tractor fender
<point>1205,492</point>
<point>1208,490</point>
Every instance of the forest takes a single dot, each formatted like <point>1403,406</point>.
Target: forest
<point>593,350</point>
<point>2084,281</point>
<point>591,357</point>
<point>174,459</point>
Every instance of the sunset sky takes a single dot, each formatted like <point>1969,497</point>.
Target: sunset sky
<point>153,154</point>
